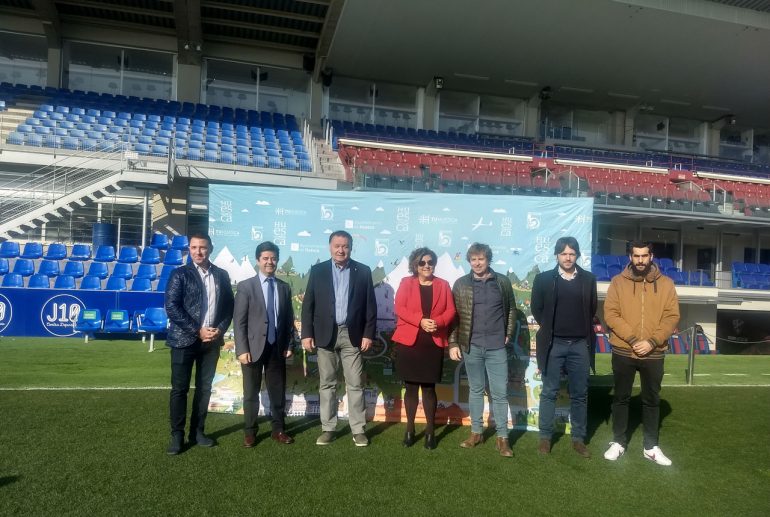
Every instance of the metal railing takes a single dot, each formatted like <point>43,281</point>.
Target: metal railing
<point>68,173</point>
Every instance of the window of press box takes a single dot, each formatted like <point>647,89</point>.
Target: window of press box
<point>23,59</point>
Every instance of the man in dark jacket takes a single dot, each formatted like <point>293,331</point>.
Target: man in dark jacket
<point>199,304</point>
<point>486,309</point>
<point>339,319</point>
<point>564,303</point>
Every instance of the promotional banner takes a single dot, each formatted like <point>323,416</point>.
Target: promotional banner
<point>386,227</point>
<point>53,312</point>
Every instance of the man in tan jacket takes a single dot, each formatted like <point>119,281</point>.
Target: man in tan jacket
<point>642,311</point>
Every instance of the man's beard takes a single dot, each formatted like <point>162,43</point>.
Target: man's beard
<point>643,272</point>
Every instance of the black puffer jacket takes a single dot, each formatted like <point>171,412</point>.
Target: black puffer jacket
<point>184,305</point>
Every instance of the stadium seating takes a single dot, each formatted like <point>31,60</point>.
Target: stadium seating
<point>24,267</point>
<point>13,280</point>
<point>115,283</point>
<point>150,256</point>
<point>39,281</point>
<point>179,242</point>
<point>9,249</point>
<point>32,250</point>
<point>80,252</point>
<point>173,257</point>
<point>152,321</point>
<point>141,284</point>
<point>56,251</point>
<point>64,282</point>
<point>74,268</point>
<point>116,320</point>
<point>88,322</point>
<point>105,253</point>
<point>159,241</point>
<point>49,267</point>
<point>123,270</point>
<point>91,282</point>
<point>99,270</point>
<point>4,266</point>
<point>128,255</point>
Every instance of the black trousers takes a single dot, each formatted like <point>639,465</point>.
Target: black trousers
<point>273,364</point>
<point>204,357</point>
<point>651,375</point>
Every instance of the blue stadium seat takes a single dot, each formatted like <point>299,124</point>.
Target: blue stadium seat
<point>99,270</point>
<point>49,268</point>
<point>80,252</point>
<point>105,253</point>
<point>141,284</point>
<point>39,281</point>
<point>165,272</point>
<point>13,280</point>
<point>91,282</point>
<point>159,241</point>
<point>147,271</point>
<point>152,321</point>
<point>32,250</point>
<point>117,320</point>
<point>9,249</point>
<point>173,257</point>
<point>614,269</point>
<point>600,270</point>
<point>128,255</point>
<point>150,256</point>
<point>116,283</point>
<point>162,281</point>
<point>89,321</point>
<point>5,267</point>
<point>74,268</point>
<point>24,267</point>
<point>123,270</point>
<point>64,282</point>
<point>56,251</point>
<point>180,242</point>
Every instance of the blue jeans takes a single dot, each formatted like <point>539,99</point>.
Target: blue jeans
<point>481,364</point>
<point>572,355</point>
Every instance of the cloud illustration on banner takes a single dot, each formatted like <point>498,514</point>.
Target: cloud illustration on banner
<point>500,211</point>
<point>386,232</point>
<point>379,209</point>
<point>354,208</point>
<point>262,202</point>
<point>500,262</point>
<point>304,233</point>
<point>445,209</point>
<point>212,220</point>
<point>245,211</point>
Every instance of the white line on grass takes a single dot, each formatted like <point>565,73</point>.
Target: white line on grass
<point>736,374</point>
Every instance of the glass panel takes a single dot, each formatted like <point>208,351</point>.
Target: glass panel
<point>23,59</point>
<point>94,68</point>
<point>148,74</point>
<point>458,112</point>
<point>235,85</point>
<point>501,116</point>
<point>351,100</point>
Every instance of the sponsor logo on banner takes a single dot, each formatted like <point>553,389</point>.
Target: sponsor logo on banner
<point>533,221</point>
<point>59,314</point>
<point>327,212</point>
<point>445,238</point>
<point>381,247</point>
<point>6,313</point>
<point>256,233</point>
<point>348,224</point>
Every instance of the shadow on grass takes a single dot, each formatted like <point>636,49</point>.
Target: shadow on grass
<point>380,428</point>
<point>599,406</point>
<point>302,424</point>
<point>7,480</point>
<point>635,414</point>
<point>227,430</point>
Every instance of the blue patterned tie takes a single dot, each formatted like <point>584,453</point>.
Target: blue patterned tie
<point>270,311</point>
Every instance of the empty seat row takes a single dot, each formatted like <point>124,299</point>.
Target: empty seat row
<point>88,282</point>
<point>82,252</point>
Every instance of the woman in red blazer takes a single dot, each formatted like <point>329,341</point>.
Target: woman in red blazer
<point>425,310</point>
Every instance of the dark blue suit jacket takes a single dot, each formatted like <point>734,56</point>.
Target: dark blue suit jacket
<point>318,305</point>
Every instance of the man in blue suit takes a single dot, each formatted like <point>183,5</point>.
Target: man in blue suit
<point>199,304</point>
<point>263,323</point>
<point>339,317</point>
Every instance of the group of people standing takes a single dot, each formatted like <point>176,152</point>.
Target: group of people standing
<point>476,320</point>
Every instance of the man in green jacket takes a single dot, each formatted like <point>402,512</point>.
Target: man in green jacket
<point>486,309</point>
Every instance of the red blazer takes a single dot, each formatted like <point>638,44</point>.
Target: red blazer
<point>409,311</point>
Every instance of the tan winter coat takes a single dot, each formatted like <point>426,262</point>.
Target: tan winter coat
<point>639,308</point>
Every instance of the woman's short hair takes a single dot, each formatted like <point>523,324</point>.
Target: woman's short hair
<point>416,255</point>
<point>479,249</point>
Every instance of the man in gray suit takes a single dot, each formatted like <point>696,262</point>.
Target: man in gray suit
<point>263,322</point>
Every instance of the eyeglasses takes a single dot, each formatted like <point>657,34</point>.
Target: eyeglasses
<point>424,263</point>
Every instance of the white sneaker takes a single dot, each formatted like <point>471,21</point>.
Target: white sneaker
<point>614,452</point>
<point>656,455</point>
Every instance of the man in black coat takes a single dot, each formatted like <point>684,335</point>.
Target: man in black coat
<point>564,303</point>
<point>339,318</point>
<point>199,304</point>
<point>263,324</point>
